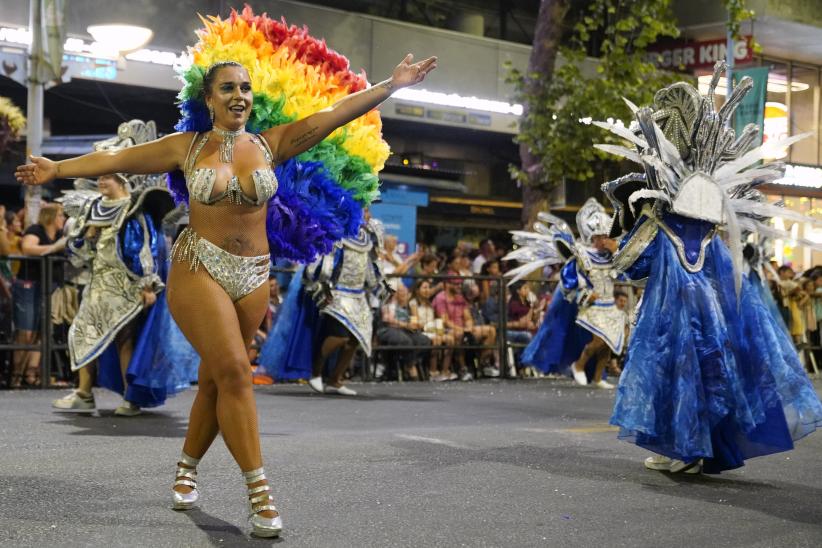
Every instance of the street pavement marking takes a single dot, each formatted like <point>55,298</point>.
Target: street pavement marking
<point>436,441</point>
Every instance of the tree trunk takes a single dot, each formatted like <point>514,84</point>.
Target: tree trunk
<point>547,36</point>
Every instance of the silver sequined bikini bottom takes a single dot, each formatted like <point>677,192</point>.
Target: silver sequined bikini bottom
<point>237,274</point>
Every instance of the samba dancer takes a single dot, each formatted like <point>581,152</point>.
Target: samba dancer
<point>217,289</point>
<point>702,386</point>
<point>116,232</point>
<point>583,323</point>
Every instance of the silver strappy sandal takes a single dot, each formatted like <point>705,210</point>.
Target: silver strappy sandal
<point>186,475</point>
<point>261,526</point>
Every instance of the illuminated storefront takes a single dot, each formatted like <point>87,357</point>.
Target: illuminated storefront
<point>801,191</point>
<point>792,106</point>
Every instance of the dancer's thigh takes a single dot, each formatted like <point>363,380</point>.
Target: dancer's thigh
<point>251,311</point>
<point>206,316</point>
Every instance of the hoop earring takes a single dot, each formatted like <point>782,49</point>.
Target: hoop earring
<point>211,114</point>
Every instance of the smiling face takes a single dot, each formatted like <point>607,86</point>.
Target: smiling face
<point>230,97</point>
<point>111,186</point>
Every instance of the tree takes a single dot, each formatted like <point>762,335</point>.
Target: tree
<point>554,145</point>
<point>533,87</point>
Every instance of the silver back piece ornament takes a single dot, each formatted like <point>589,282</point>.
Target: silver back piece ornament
<point>694,164</point>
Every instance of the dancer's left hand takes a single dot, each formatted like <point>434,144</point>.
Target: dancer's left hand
<point>408,73</point>
<point>149,297</point>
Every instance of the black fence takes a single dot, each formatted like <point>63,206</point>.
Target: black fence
<point>52,346</point>
<point>45,286</point>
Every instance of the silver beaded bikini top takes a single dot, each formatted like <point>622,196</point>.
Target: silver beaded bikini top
<point>200,181</point>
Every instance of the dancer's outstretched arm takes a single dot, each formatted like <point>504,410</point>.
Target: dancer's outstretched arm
<point>165,154</point>
<point>288,140</point>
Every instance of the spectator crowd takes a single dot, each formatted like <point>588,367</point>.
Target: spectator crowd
<point>444,321</point>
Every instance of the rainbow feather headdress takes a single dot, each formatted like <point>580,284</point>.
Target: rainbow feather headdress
<point>323,190</point>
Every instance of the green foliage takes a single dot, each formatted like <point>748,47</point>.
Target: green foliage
<point>551,126</point>
<point>738,13</point>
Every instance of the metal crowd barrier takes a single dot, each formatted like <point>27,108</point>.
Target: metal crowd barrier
<point>47,345</point>
<point>501,325</point>
<point>503,344</point>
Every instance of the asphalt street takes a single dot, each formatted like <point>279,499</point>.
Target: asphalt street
<point>493,463</point>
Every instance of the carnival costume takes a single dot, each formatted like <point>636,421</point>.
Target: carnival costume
<point>700,381</point>
<point>348,276</point>
<point>126,256</point>
<point>311,201</point>
<point>573,317</point>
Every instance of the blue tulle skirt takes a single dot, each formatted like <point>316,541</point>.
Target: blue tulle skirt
<point>163,363</point>
<point>287,353</point>
<point>765,338</point>
<point>559,340</point>
<point>689,390</point>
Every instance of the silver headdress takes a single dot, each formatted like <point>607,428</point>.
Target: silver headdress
<point>131,133</point>
<point>694,163</point>
<point>592,220</point>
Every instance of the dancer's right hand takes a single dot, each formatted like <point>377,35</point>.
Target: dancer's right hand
<point>41,170</point>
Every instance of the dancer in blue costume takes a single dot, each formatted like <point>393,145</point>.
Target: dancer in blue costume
<point>123,324</point>
<point>700,387</point>
<point>326,311</point>
<point>583,324</point>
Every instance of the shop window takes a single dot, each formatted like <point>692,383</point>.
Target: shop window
<point>776,105</point>
<point>804,114</point>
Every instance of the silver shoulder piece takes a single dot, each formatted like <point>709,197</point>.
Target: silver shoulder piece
<point>75,202</point>
<point>633,248</point>
<point>377,228</point>
<point>550,243</point>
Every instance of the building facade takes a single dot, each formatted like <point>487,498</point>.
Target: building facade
<point>789,33</point>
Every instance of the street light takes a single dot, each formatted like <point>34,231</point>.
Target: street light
<point>121,38</point>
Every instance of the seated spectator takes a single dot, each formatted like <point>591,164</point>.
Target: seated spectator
<point>481,332</point>
<point>463,267</point>
<point>401,328</point>
<point>428,266</point>
<point>392,263</point>
<point>14,238</point>
<point>487,252</point>
<point>452,309</point>
<point>43,238</point>
<point>489,288</point>
<point>423,311</point>
<point>520,322</point>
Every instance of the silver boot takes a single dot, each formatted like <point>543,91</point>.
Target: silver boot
<point>185,501</point>
<point>261,526</point>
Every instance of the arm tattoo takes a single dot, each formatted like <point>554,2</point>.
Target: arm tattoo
<point>305,137</point>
